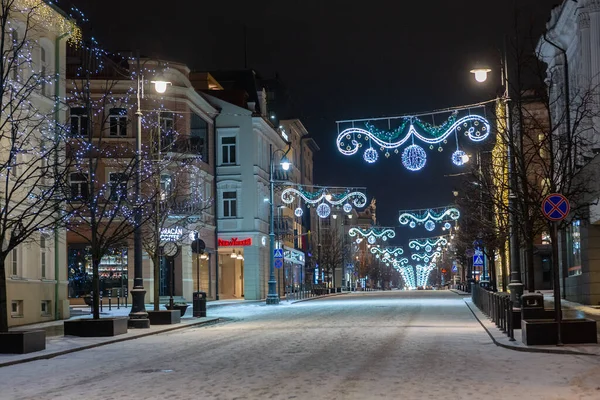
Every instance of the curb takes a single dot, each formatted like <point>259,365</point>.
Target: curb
<point>211,321</point>
<point>459,293</point>
<point>319,297</point>
<point>526,349</point>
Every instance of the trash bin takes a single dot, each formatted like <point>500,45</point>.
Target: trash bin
<point>532,307</point>
<point>199,304</point>
<point>485,285</point>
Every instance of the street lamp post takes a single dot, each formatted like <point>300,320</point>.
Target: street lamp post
<point>272,297</point>
<point>515,286</point>
<point>138,317</point>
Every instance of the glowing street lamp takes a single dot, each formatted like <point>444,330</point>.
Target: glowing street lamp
<point>481,74</point>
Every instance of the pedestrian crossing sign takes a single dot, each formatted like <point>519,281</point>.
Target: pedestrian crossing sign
<point>278,253</point>
<point>478,260</point>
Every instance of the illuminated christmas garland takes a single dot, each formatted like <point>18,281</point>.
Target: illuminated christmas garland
<point>426,257</point>
<point>414,157</point>
<point>428,244</point>
<point>387,252</point>
<point>322,197</point>
<point>408,275</point>
<point>372,234</point>
<point>428,217</point>
<point>423,272</point>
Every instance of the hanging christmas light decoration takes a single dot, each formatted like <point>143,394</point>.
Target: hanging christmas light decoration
<point>376,232</point>
<point>328,195</point>
<point>347,208</point>
<point>370,155</point>
<point>391,251</point>
<point>426,257</point>
<point>410,128</point>
<point>447,225</point>
<point>425,243</point>
<point>371,239</point>
<point>429,225</point>
<point>423,272</point>
<point>428,217</point>
<point>298,212</point>
<point>414,157</point>
<point>323,210</point>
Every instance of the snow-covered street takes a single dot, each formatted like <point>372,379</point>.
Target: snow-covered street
<point>388,345</point>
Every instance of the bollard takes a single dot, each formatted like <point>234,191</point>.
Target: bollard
<point>100,301</point>
<point>511,330</point>
<point>118,299</point>
<point>126,294</point>
<point>110,300</point>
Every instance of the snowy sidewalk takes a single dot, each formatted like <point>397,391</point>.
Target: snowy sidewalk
<point>502,340</point>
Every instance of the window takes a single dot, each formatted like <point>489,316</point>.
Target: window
<point>117,119</point>
<point>43,255</point>
<point>228,149</point>
<point>118,185</point>
<point>574,238</point>
<point>167,131</point>
<point>14,262</point>
<point>229,204</point>
<point>45,308</point>
<point>165,186</point>
<point>199,136</point>
<point>79,121</point>
<point>79,186</point>
<point>16,308</point>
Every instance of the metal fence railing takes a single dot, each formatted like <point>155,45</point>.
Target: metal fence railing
<point>464,287</point>
<point>497,306</point>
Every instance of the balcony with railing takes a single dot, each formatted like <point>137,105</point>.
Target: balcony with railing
<point>184,144</point>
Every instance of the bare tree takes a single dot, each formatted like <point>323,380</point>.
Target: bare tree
<point>333,251</point>
<point>32,161</point>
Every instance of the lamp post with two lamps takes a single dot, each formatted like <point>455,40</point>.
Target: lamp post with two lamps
<point>272,296</point>
<point>138,317</point>
<point>515,286</point>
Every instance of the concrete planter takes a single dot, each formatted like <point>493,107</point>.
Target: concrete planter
<point>181,307</point>
<point>544,331</point>
<point>164,317</point>
<point>22,342</point>
<point>102,327</point>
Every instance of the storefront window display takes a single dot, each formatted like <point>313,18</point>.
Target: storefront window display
<point>112,270</point>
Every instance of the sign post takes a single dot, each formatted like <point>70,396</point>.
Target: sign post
<point>555,208</point>
<point>278,258</point>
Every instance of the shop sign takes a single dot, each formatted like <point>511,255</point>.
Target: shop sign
<point>171,234</point>
<point>235,242</point>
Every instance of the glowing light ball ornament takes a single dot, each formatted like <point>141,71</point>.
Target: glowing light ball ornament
<point>347,208</point>
<point>459,158</point>
<point>430,225</point>
<point>414,157</point>
<point>372,239</point>
<point>323,210</point>
<point>428,248</point>
<point>412,224</point>
<point>447,225</point>
<point>298,212</point>
<point>370,155</point>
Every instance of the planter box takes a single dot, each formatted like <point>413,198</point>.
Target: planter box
<point>544,331</point>
<point>22,342</point>
<point>164,317</point>
<point>536,313</point>
<point>181,309</point>
<point>86,327</point>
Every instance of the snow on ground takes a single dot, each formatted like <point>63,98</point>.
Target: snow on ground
<point>387,345</point>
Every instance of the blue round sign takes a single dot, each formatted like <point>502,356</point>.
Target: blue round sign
<point>555,207</point>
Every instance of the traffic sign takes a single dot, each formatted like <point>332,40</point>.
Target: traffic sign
<point>454,268</point>
<point>278,253</point>
<point>555,207</point>
<point>278,262</point>
<point>478,259</point>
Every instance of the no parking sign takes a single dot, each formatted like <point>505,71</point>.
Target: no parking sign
<point>555,207</point>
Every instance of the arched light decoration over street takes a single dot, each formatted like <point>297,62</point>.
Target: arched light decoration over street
<point>428,217</point>
<point>431,242</point>
<point>400,134</point>
<point>326,197</point>
<point>390,251</point>
<point>480,74</point>
<point>374,232</point>
<point>160,85</point>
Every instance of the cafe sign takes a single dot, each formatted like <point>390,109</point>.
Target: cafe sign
<point>171,234</point>
<point>235,242</point>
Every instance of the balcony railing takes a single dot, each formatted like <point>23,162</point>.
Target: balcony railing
<point>183,144</point>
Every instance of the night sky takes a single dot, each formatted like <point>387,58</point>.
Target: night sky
<point>339,60</point>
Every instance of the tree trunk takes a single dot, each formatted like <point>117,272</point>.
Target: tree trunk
<point>3,300</point>
<point>530,267</point>
<point>96,286</point>
<point>156,265</point>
